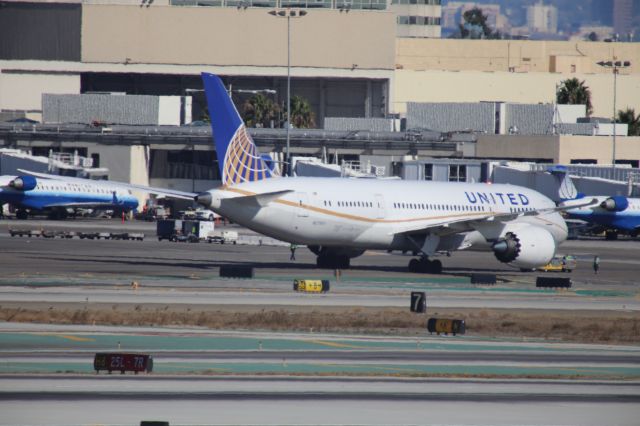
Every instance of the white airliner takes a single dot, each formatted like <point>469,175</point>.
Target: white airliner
<point>339,219</point>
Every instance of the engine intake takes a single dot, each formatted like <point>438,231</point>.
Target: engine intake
<point>23,183</point>
<point>615,204</point>
<point>527,248</point>
<point>508,248</point>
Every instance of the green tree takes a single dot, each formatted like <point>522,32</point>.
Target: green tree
<point>629,117</point>
<point>302,116</point>
<point>475,25</point>
<point>259,111</point>
<point>574,92</point>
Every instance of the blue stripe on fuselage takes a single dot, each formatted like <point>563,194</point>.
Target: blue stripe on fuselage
<point>38,199</point>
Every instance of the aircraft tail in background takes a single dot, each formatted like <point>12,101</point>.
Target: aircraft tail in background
<point>566,188</point>
<point>238,156</point>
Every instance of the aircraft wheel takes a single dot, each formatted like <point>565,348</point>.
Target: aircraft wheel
<point>435,267</point>
<point>22,214</point>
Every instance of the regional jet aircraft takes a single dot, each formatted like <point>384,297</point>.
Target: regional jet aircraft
<point>55,194</point>
<point>617,214</point>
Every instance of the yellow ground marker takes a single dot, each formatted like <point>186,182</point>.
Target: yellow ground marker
<point>69,337</point>
<point>334,344</point>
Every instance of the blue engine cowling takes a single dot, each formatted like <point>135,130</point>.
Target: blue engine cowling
<point>23,183</point>
<point>617,203</point>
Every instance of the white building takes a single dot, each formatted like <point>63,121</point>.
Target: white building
<point>417,18</point>
<point>542,18</point>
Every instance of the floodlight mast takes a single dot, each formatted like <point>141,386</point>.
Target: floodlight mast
<point>615,66</point>
<point>288,13</point>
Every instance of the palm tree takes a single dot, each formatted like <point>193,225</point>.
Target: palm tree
<point>259,111</point>
<point>302,116</point>
<point>574,92</point>
<point>629,117</point>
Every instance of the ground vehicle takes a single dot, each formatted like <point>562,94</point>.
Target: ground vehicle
<point>223,237</point>
<point>560,264</point>
<point>183,230</point>
<point>205,214</point>
<point>181,238</point>
<point>201,229</point>
<point>189,214</point>
<point>153,213</point>
<point>167,228</point>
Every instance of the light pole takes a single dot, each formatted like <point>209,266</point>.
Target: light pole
<point>615,66</point>
<point>288,13</point>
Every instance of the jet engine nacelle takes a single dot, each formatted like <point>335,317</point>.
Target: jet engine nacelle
<point>23,183</point>
<point>615,204</point>
<point>526,248</point>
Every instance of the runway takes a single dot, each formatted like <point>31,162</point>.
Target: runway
<point>620,260</point>
<point>360,297</point>
<point>242,377</point>
<point>328,401</point>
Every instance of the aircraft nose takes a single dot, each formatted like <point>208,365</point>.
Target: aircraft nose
<point>204,199</point>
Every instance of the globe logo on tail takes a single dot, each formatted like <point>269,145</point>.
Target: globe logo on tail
<point>242,162</point>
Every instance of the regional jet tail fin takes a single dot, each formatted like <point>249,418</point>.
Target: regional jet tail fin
<point>566,189</point>
<point>238,156</point>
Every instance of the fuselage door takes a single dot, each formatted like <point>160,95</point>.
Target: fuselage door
<point>379,205</point>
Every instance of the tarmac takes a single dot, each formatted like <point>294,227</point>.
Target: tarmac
<point>255,377</point>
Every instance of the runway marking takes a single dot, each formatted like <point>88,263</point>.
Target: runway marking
<point>67,336</point>
<point>374,367</point>
<point>334,344</point>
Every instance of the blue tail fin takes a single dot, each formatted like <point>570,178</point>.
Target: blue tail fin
<point>238,156</point>
<point>566,189</point>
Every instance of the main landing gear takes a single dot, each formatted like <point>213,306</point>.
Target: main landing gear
<point>425,265</point>
<point>327,261</point>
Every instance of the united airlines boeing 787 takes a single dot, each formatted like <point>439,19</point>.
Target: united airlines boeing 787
<point>339,219</point>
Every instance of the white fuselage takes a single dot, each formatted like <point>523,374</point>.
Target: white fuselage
<point>375,214</point>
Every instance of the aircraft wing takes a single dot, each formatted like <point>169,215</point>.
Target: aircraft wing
<point>108,183</point>
<point>468,223</point>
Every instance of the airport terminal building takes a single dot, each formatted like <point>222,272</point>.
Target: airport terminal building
<point>379,62</point>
